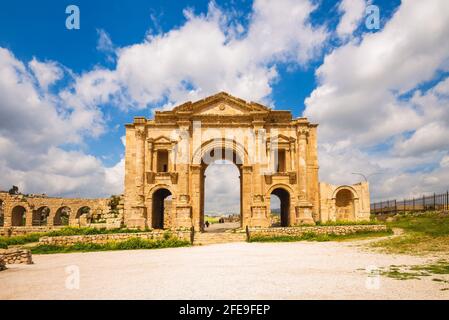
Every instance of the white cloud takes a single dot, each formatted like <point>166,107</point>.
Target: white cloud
<point>33,126</point>
<point>221,194</point>
<point>353,12</point>
<point>46,73</point>
<point>359,99</point>
<point>209,54</point>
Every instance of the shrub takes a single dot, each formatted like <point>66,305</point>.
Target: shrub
<point>18,240</point>
<point>130,244</point>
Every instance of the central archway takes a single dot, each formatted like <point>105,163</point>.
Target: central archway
<point>222,196</point>
<point>215,157</point>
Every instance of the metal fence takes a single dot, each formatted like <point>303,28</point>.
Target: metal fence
<point>435,202</point>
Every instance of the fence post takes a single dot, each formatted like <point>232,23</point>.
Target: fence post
<point>434,201</point>
<point>395,207</point>
<point>424,203</point>
<point>413,204</point>
<point>447,200</point>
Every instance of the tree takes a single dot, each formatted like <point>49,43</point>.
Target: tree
<point>14,190</point>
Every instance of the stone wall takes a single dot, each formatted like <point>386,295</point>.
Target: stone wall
<point>16,256</point>
<point>104,238</point>
<point>298,231</point>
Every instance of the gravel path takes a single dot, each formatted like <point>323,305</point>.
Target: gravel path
<point>303,270</point>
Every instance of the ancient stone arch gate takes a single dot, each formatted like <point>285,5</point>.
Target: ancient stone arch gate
<point>275,154</point>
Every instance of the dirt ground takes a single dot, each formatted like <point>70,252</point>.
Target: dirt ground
<point>302,270</point>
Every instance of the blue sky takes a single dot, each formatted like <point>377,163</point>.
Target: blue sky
<point>127,23</point>
<point>295,72</point>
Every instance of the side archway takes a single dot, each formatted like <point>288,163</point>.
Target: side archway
<point>283,197</point>
<point>18,216</point>
<point>344,205</point>
<point>160,207</point>
<point>2,213</point>
<point>40,216</point>
<point>83,211</point>
<point>62,216</point>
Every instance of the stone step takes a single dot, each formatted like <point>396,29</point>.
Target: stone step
<point>213,238</point>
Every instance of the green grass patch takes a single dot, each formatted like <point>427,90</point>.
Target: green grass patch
<point>130,244</point>
<point>311,236</point>
<point>417,272</point>
<point>423,234</point>
<point>211,219</point>
<point>19,240</point>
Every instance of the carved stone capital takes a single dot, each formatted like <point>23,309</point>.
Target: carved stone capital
<point>268,179</point>
<point>174,177</point>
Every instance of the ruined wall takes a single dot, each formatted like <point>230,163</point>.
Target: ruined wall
<point>104,238</point>
<point>24,214</point>
<point>299,231</point>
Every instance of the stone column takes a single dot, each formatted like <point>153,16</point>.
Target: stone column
<point>150,155</point>
<point>302,163</point>
<point>139,205</point>
<point>303,212</point>
<point>196,196</point>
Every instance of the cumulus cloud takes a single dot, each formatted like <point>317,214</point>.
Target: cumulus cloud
<point>46,73</point>
<point>34,124</point>
<point>363,103</point>
<point>353,12</point>
<point>208,54</point>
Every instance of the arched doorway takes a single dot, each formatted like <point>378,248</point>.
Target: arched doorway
<point>280,207</point>
<point>40,216</point>
<point>62,216</point>
<point>161,205</point>
<point>18,216</point>
<point>222,159</point>
<point>2,214</point>
<point>344,205</point>
<point>83,211</point>
<point>222,204</point>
